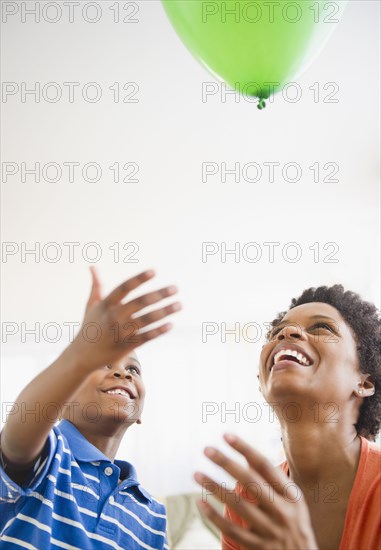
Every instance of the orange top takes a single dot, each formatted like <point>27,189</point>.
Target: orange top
<point>362,527</point>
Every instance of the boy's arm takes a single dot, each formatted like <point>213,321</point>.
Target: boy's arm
<point>119,329</point>
<point>24,434</point>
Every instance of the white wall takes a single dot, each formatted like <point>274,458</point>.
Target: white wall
<point>169,133</point>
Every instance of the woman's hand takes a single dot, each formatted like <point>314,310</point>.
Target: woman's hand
<point>112,329</point>
<point>272,507</point>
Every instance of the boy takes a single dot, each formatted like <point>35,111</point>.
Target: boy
<point>61,486</point>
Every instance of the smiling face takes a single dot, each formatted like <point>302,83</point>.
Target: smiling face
<point>113,394</point>
<point>311,357</point>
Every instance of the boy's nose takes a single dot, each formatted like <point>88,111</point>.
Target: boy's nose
<point>120,372</point>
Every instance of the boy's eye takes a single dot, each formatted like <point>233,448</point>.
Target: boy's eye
<point>133,369</point>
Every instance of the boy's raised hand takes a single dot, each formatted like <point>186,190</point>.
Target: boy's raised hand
<point>111,329</point>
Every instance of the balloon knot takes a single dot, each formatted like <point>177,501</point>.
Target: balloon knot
<point>261,104</point>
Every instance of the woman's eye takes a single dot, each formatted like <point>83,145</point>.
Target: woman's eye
<point>274,332</point>
<point>323,325</point>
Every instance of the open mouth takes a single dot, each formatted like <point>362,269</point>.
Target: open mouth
<point>291,355</point>
<point>120,391</point>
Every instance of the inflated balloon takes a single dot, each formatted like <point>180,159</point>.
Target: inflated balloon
<point>255,47</point>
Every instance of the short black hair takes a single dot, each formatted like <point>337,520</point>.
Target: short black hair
<point>365,322</point>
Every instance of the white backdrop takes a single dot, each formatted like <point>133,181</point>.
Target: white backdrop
<point>169,132</point>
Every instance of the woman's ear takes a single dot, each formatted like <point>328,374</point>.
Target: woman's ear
<point>365,387</point>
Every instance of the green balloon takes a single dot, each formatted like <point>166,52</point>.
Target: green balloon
<point>256,47</point>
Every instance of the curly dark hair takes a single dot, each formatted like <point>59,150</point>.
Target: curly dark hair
<point>364,320</point>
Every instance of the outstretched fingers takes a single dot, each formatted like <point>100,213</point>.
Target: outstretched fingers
<point>244,505</point>
<point>258,462</point>
<point>253,487</point>
<point>130,331</point>
<point>147,300</point>
<point>130,328</point>
<point>143,337</point>
<point>156,315</point>
<point>96,288</point>
<point>273,519</point>
<point>126,287</point>
<point>243,536</point>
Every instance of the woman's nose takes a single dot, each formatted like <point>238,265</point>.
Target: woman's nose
<point>291,332</point>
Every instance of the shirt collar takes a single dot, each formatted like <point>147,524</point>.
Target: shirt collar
<point>81,448</point>
<point>84,451</point>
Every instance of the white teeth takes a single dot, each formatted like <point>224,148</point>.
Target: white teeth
<point>117,392</point>
<point>299,356</point>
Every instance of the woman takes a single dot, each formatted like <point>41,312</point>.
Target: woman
<point>322,360</point>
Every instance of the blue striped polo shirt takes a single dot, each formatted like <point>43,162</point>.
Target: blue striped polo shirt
<point>73,499</point>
